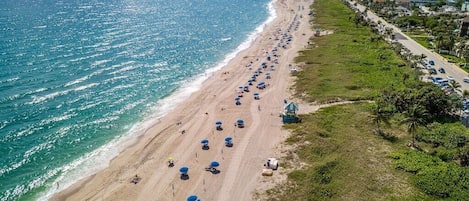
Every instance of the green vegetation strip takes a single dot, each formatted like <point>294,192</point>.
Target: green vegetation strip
<point>352,63</point>
<point>358,151</point>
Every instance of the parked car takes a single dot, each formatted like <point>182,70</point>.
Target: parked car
<point>450,77</point>
<point>431,62</point>
<point>441,70</point>
<point>432,71</point>
<point>466,79</point>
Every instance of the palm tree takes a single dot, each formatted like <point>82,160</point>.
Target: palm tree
<point>415,117</point>
<point>455,86</point>
<point>439,41</point>
<point>465,94</point>
<point>379,115</point>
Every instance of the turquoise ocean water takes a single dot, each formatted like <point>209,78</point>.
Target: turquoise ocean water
<point>77,78</point>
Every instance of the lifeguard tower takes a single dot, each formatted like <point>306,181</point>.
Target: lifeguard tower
<point>289,114</point>
<point>317,32</point>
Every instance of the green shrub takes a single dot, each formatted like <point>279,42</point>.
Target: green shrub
<point>414,161</point>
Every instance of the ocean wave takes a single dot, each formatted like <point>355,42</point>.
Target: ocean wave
<point>9,80</point>
<point>39,99</point>
<point>56,119</point>
<point>112,79</point>
<point>86,57</point>
<point>127,107</point>
<point>99,62</point>
<point>80,88</point>
<point>88,106</point>
<point>127,68</point>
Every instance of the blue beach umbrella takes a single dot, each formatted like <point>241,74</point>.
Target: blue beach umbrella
<point>184,170</point>
<point>192,198</point>
<point>214,164</point>
<point>228,139</point>
<point>256,94</point>
<point>218,123</point>
<point>249,81</point>
<point>204,141</point>
<point>237,98</point>
<point>240,121</point>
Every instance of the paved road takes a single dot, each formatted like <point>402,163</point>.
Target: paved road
<point>417,49</point>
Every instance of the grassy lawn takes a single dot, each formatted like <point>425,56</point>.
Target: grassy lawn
<point>346,64</point>
<point>345,161</point>
<point>422,40</point>
<point>334,153</point>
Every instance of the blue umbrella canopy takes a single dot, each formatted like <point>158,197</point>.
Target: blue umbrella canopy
<point>261,83</point>
<point>227,139</point>
<point>204,141</point>
<point>237,98</point>
<point>214,164</point>
<point>218,123</point>
<point>240,87</point>
<point>240,121</point>
<point>256,94</point>
<point>184,169</point>
<point>249,81</point>
<point>192,198</point>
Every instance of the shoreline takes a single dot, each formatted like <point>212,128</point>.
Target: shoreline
<point>147,155</point>
<point>136,132</point>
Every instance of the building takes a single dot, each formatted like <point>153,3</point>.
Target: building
<point>422,2</point>
<point>464,27</point>
<point>465,6</point>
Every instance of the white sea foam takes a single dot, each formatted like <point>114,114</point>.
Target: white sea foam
<point>39,99</point>
<point>80,88</point>
<point>97,63</point>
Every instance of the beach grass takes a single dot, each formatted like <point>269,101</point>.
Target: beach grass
<point>334,154</point>
<point>350,63</point>
<point>343,159</point>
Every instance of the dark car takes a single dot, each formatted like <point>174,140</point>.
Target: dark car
<point>441,70</point>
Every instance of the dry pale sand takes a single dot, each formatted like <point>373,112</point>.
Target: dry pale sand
<point>241,164</point>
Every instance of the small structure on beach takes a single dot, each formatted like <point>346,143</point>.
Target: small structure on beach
<point>261,85</point>
<point>246,88</point>
<point>289,114</point>
<point>204,143</point>
<point>240,123</point>
<point>193,198</point>
<point>256,96</point>
<point>238,101</point>
<point>267,75</point>
<point>229,141</point>
<point>183,171</point>
<point>218,125</point>
<point>212,167</point>
<point>317,33</point>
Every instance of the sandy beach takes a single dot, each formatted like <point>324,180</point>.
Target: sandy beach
<point>178,134</point>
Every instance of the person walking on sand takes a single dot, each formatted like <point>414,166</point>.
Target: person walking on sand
<point>259,107</point>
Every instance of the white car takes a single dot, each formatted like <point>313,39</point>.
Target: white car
<point>466,79</point>
<point>450,77</point>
